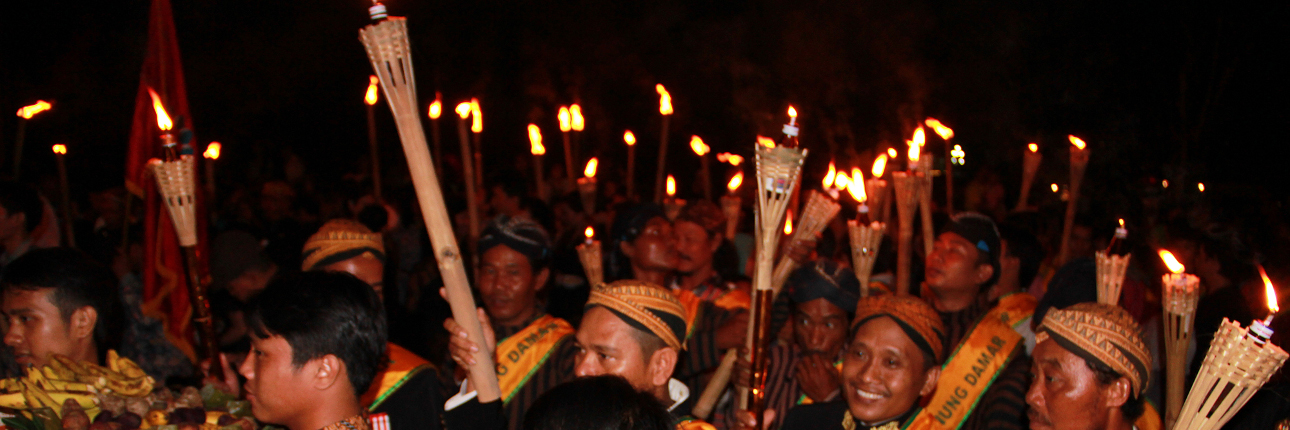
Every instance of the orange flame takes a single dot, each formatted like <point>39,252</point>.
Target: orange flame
<point>476,117</point>
<point>841,181</point>
<point>879,166</point>
<point>856,189</point>
<point>564,119</point>
<point>1201,187</point>
<point>1054,187</point>
<point>1171,262</point>
<point>31,110</point>
<point>1269,292</point>
<point>535,140</point>
<point>671,186</point>
<point>163,120</point>
<point>370,98</point>
<point>698,146</point>
<point>735,182</point>
<point>891,153</point>
<point>765,141</point>
<point>590,170</point>
<point>788,223</point>
<point>792,112</point>
<point>940,129</point>
<point>664,100</point>
<point>733,159</point>
<point>436,109</point>
<point>830,176</point>
<point>1034,147</point>
<point>629,138</point>
<point>914,148</point>
<point>1079,143</point>
<point>578,122</point>
<point>1121,222</point>
<point>920,136</point>
<point>60,148</point>
<point>463,110</point>
<point>212,150</point>
<point>589,232</point>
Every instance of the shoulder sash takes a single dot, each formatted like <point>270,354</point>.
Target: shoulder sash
<point>403,365</point>
<point>522,354</point>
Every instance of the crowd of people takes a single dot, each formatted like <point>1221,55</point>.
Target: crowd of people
<point>330,311</point>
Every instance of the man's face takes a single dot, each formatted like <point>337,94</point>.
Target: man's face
<point>654,248</point>
<point>694,247</point>
<point>1064,393</point>
<point>36,328</point>
<point>503,203</point>
<point>11,224</point>
<point>508,285</point>
<point>883,373</point>
<point>274,385</point>
<point>952,265</point>
<point>819,327</point>
<point>366,269</point>
<point>606,346</point>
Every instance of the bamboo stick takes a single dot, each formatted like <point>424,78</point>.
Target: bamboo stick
<point>908,194</point>
<point>819,211</point>
<point>717,385</point>
<point>1079,160</point>
<point>865,242</point>
<point>589,255</point>
<point>1110,276</point>
<point>1238,363</point>
<point>1030,165</point>
<point>1181,292</point>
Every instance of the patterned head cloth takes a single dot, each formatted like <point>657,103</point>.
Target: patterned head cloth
<point>339,240</point>
<point>1104,334</point>
<point>706,214</point>
<point>917,318</point>
<point>825,279</point>
<point>520,234</point>
<point>645,306</point>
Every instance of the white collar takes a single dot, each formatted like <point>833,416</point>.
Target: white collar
<point>677,392</point>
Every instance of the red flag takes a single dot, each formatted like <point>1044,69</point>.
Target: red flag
<point>165,286</point>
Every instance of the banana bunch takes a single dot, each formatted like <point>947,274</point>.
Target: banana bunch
<point>36,391</point>
<point>64,378</point>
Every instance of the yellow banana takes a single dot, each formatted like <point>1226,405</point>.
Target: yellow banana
<point>13,401</point>
<point>38,398</point>
<point>86,400</point>
<point>60,369</point>
<point>129,368</point>
<point>112,358</point>
<point>73,387</point>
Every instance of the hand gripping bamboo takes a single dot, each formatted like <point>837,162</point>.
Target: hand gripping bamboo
<point>817,214</point>
<point>1235,367</point>
<point>391,56</point>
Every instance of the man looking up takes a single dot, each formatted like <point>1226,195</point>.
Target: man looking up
<point>643,246</point>
<point>1091,370</point>
<point>317,340</point>
<point>59,301</point>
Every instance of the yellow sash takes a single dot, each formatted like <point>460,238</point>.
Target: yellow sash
<point>975,364</point>
<point>691,423</point>
<point>1150,419</point>
<point>522,354</point>
<point>805,399</point>
<point>693,305</point>
<point>737,298</point>
<point>403,366</point>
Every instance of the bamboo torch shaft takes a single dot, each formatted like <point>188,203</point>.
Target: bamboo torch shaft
<point>375,152</point>
<point>1079,160</point>
<point>662,162</point>
<point>537,174</point>
<point>438,152</point>
<point>631,171</point>
<point>472,208</point>
<point>69,238</point>
<point>568,157</point>
<point>202,311</point>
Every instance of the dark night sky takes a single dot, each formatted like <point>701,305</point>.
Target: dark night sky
<point>1139,82</point>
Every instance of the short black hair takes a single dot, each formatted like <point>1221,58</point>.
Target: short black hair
<point>605,402</point>
<point>1026,247</point>
<point>321,313</point>
<point>17,198</point>
<point>78,281</point>
<point>512,184</point>
<point>1133,407</point>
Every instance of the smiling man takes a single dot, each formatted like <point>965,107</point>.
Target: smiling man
<point>59,301</point>
<point>317,340</point>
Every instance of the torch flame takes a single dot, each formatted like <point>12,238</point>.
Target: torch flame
<point>698,146</point>
<point>830,176</point>
<point>664,100</point>
<point>1172,263</point>
<point>788,222</point>
<point>463,110</point>
<point>1121,222</point>
<point>29,111</point>
<point>589,232</point>
<point>60,148</point>
<point>940,129</point>
<point>535,140</point>
<point>1201,187</point>
<point>856,189</point>
<point>436,109</point>
<point>913,152</point>
<point>476,117</point>
<point>891,153</point>
<point>590,170</point>
<point>920,136</point>
<point>1054,187</point>
<point>765,141</point>
<point>841,181</point>
<point>629,138</point>
<point>792,112</point>
<point>879,165</point>
<point>1079,143</point>
<point>370,98</point>
<point>163,120</point>
<point>735,181</point>
<point>212,150</point>
<point>578,122</point>
<point>1034,147</point>
<point>733,159</point>
<point>671,186</point>
<point>564,119</point>
<point>1269,291</point>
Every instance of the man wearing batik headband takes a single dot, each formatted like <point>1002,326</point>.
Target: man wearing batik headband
<point>534,351</point>
<point>988,337</point>
<point>1091,370</point>
<point>407,389</point>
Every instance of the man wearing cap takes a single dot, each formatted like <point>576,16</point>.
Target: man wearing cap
<point>987,366</point>
<point>1091,370</point>
<point>535,351</point>
<point>406,390</point>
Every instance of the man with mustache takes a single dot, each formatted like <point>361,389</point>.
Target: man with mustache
<point>1091,370</point>
<point>716,309</point>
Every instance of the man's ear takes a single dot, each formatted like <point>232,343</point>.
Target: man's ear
<point>931,378</point>
<point>539,280</point>
<point>627,249</point>
<point>661,365</point>
<point>715,241</point>
<point>984,272</point>
<point>1117,393</point>
<point>328,371</point>
<point>82,322</point>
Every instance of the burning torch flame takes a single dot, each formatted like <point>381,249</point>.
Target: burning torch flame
<point>535,140</point>
<point>829,177</point>
<point>735,181</point>
<point>1172,263</point>
<point>60,148</point>
<point>856,189</point>
<point>370,98</point>
<point>792,112</point>
<point>1201,187</point>
<point>578,122</point>
<point>940,129</point>
<point>891,153</point>
<point>920,136</point>
<point>1121,222</point>
<point>698,146</point>
<point>913,152</point>
<point>590,170</point>
<point>436,109</point>
<point>1034,147</point>
<point>212,151</point>
<point>1054,187</point>
<point>163,120</point>
<point>671,186</point>
<point>879,165</point>
<point>589,232</point>
<point>1269,291</point>
<point>29,111</point>
<point>1079,143</point>
<point>765,141</point>
<point>841,181</point>
<point>733,159</point>
<point>664,100</point>
<point>564,119</point>
<point>788,222</point>
<point>463,110</point>
<point>629,138</point>
<point>476,117</point>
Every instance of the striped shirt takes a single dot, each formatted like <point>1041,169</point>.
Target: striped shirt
<point>783,391</point>
<point>1003,405</point>
<point>557,368</point>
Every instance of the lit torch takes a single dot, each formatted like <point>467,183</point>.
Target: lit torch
<point>60,152</point>
<point>26,113</point>
<point>866,234</point>
<point>921,168</point>
<point>732,204</point>
<point>211,154</point>
<point>566,125</point>
<point>536,148</point>
<point>370,98</point>
<point>701,149</point>
<point>587,186</point>
<point>664,109</point>
<point>468,174</point>
<point>1030,165</point>
<point>1079,160</point>
<point>672,205</point>
<point>946,134</point>
<point>477,127</point>
<point>589,254</point>
<point>1181,292</point>
<point>876,190</point>
<point>435,111</point>
<point>630,139</point>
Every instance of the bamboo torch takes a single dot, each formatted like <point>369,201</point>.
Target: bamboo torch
<point>866,234</point>
<point>1110,270</point>
<point>468,174</point>
<point>1237,365</point>
<point>701,149</point>
<point>876,190</point>
<point>587,186</point>
<point>370,98</point>
<point>477,127</point>
<point>672,205</point>
<point>565,126</point>
<point>1181,291</point>
<point>389,50</point>
<point>1079,160</point>
<point>589,255</point>
<point>630,139</point>
<point>909,190</point>
<point>664,109</point>
<point>60,152</point>
<point>25,113</point>
<point>435,111</point>
<point>177,183</point>
<point>1030,165</point>
<point>211,154</point>
<point>536,148</point>
<point>946,134</point>
<point>732,204</point>
<point>577,124</point>
<point>819,211</point>
<point>923,166</point>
